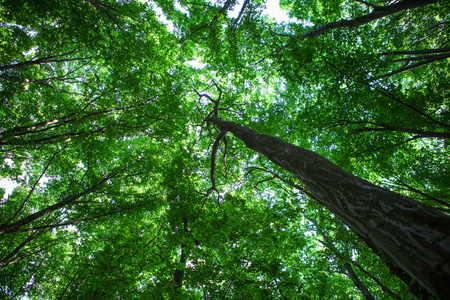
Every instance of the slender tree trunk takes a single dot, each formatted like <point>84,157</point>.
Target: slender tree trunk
<point>5,261</point>
<point>414,190</point>
<point>358,283</point>
<point>347,259</point>
<point>414,236</point>
<point>179,273</point>
<point>377,281</point>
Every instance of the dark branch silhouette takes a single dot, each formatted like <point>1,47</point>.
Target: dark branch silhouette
<point>10,228</point>
<point>44,60</point>
<point>378,12</point>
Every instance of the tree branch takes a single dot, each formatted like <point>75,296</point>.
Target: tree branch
<point>43,60</point>
<point>100,8</point>
<point>382,90</point>
<point>9,228</point>
<point>383,127</point>
<point>241,12</point>
<point>377,13</point>
<point>4,261</point>
<point>408,52</point>
<point>213,158</point>
<point>427,61</point>
<point>32,189</point>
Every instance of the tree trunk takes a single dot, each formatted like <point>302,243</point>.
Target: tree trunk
<point>414,236</point>
<point>358,283</point>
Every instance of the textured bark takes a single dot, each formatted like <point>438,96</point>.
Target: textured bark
<point>377,13</point>
<point>414,236</point>
<point>415,288</point>
<point>347,259</point>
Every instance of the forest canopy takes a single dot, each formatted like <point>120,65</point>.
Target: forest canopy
<point>202,149</point>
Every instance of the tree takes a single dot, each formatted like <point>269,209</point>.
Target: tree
<point>386,220</point>
<point>127,188</point>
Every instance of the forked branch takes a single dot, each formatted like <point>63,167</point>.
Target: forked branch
<point>212,115</point>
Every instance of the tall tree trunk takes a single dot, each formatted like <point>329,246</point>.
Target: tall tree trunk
<point>414,236</point>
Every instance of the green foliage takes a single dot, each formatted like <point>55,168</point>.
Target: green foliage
<point>102,127</point>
